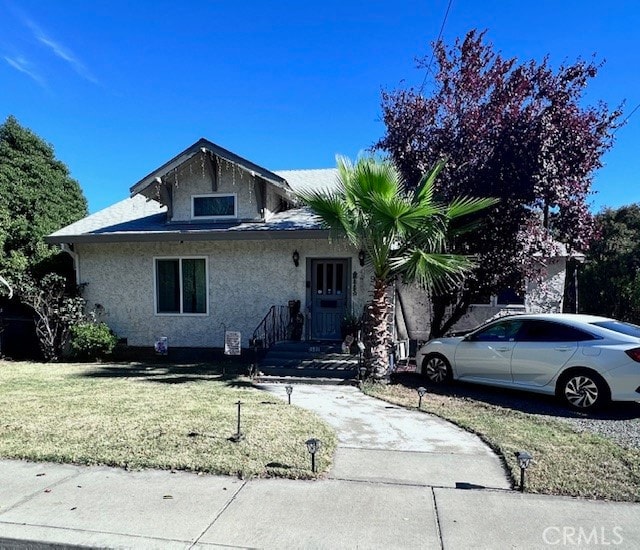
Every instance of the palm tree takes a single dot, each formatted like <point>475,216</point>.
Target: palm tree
<point>403,233</point>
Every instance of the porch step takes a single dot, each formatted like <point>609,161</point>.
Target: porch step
<point>308,360</point>
<point>314,347</point>
<point>269,379</point>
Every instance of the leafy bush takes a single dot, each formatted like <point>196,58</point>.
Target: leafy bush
<point>91,340</point>
<point>55,311</point>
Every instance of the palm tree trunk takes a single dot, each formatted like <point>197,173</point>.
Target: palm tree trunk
<point>377,332</point>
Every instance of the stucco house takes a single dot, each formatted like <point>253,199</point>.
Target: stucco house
<point>209,242</point>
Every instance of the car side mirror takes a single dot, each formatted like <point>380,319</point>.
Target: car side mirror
<point>468,338</point>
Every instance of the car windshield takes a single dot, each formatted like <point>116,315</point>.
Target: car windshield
<point>619,326</point>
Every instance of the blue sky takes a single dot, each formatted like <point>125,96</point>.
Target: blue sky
<point>118,87</point>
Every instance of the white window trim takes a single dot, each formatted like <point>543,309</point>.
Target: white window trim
<point>155,285</point>
<point>208,195</point>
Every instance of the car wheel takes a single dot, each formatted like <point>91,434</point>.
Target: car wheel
<point>436,368</point>
<point>584,390</point>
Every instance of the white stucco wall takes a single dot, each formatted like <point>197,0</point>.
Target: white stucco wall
<point>245,279</point>
<point>194,179</point>
<point>547,295</point>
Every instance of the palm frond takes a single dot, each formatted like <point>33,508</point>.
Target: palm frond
<point>433,270</point>
<point>463,206</point>
<point>425,189</point>
<point>333,211</point>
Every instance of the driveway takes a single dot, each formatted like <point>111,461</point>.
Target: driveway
<point>379,442</point>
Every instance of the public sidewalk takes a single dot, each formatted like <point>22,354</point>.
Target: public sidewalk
<point>400,480</point>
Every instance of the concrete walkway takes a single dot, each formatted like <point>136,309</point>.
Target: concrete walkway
<point>393,486</point>
<point>383,443</point>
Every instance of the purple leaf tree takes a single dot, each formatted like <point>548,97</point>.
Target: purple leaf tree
<point>510,130</point>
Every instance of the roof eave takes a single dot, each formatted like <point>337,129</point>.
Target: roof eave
<point>162,236</point>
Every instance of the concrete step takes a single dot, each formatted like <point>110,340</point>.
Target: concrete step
<point>308,373</point>
<point>309,360</point>
<point>316,362</point>
<point>319,380</point>
<point>307,347</point>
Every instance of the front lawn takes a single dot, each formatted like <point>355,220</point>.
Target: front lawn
<point>565,462</point>
<point>154,416</point>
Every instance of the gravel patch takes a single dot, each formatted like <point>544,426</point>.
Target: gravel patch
<point>624,431</point>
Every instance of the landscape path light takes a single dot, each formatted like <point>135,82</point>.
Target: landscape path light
<point>313,446</point>
<point>524,461</point>
<point>238,436</point>
<point>421,392</point>
<point>289,389</point>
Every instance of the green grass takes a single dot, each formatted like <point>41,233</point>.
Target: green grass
<point>156,416</point>
<point>565,462</point>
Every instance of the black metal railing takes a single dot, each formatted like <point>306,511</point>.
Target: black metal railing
<point>275,327</point>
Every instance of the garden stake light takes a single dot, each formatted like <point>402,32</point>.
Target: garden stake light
<point>524,460</point>
<point>289,389</point>
<point>313,446</point>
<point>421,392</point>
<point>238,436</point>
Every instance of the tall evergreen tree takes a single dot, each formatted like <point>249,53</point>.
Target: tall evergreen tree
<point>609,282</point>
<point>37,197</point>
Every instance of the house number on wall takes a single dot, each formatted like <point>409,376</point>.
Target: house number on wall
<point>355,279</point>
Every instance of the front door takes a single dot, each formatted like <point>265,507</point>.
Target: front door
<point>329,295</point>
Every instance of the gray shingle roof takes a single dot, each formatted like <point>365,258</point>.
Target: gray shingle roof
<point>310,180</point>
<point>135,209</point>
<point>139,219</point>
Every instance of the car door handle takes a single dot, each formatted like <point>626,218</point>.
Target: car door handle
<point>503,349</point>
<point>563,349</point>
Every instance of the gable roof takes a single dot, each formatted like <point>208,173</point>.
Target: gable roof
<point>201,146</point>
<point>137,219</point>
<point>141,218</point>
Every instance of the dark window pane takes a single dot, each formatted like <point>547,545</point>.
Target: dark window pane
<point>320,278</point>
<point>546,331</point>
<point>508,296</point>
<point>339,278</point>
<point>504,331</point>
<point>223,205</point>
<point>330,268</point>
<point>194,286</point>
<point>168,286</point>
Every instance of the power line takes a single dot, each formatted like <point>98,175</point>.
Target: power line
<point>437,40</point>
<point>628,117</point>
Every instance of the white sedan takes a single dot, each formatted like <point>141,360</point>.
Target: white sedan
<point>584,359</point>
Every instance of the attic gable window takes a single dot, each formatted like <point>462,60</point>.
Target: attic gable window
<point>218,206</point>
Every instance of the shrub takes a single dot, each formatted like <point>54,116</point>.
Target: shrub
<point>55,311</point>
<point>91,340</point>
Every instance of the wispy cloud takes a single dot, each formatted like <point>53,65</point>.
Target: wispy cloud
<point>19,63</point>
<point>57,48</point>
